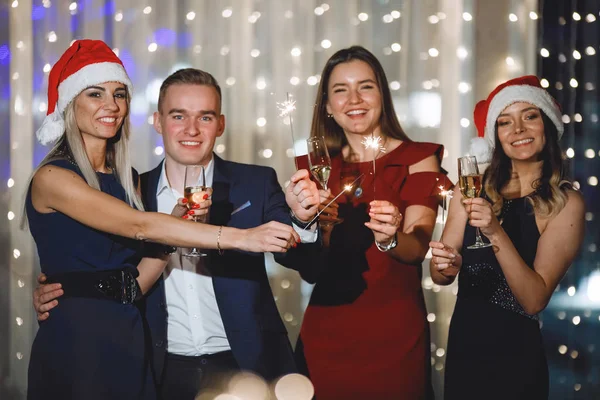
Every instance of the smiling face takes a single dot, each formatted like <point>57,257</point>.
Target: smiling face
<point>521,132</point>
<point>354,98</point>
<point>100,110</point>
<point>190,121</point>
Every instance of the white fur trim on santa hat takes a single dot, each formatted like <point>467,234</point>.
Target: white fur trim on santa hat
<point>90,75</point>
<point>53,126</point>
<point>527,94</point>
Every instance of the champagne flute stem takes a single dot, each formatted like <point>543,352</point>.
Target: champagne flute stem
<point>478,239</point>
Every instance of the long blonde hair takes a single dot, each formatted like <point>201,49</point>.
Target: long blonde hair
<point>71,147</point>
<point>550,190</point>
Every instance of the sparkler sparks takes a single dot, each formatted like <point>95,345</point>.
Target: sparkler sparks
<point>285,110</point>
<point>446,195</point>
<point>347,188</point>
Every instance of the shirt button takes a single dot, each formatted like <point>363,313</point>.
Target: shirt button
<point>159,343</point>
<point>196,316</point>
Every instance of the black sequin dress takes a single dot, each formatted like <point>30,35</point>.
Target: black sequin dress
<point>495,348</point>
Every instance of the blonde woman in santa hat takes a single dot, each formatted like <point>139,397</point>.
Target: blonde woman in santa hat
<point>534,219</point>
<point>86,217</point>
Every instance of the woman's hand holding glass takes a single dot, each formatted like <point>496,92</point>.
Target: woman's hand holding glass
<point>482,216</point>
<point>385,221</point>
<point>447,260</point>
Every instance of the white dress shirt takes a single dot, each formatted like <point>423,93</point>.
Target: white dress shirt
<point>194,323</point>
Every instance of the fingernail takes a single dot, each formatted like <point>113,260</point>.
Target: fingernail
<point>185,217</point>
<point>184,201</point>
<point>191,212</point>
<point>294,245</point>
<point>298,240</point>
<point>196,205</point>
<point>205,196</point>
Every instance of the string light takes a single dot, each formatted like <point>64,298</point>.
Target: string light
<point>228,12</point>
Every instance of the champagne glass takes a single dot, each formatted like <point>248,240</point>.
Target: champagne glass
<point>195,191</point>
<point>318,160</point>
<point>319,164</point>
<point>470,182</point>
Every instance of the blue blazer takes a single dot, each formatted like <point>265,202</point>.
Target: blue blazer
<point>256,334</point>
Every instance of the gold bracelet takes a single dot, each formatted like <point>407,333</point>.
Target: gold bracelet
<point>219,249</point>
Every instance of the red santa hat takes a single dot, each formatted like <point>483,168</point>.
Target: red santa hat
<point>86,63</point>
<point>525,89</point>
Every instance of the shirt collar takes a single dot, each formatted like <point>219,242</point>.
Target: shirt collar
<point>163,182</point>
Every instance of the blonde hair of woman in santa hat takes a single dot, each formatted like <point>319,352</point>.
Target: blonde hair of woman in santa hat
<point>534,219</point>
<point>86,217</point>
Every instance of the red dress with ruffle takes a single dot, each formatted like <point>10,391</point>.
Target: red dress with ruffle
<point>365,333</point>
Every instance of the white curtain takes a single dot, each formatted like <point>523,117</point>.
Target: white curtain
<point>440,56</point>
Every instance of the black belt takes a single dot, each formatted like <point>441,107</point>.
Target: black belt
<point>222,356</point>
<point>119,285</point>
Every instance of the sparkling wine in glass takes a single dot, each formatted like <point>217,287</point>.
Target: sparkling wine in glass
<point>470,182</point>
<point>318,160</point>
<point>319,163</point>
<point>196,191</point>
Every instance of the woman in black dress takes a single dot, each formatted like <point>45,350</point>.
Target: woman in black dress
<point>534,220</point>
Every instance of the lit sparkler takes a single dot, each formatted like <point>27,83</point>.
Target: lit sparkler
<point>285,110</point>
<point>347,188</point>
<point>374,143</point>
<point>446,195</point>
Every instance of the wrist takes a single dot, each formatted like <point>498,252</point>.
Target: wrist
<point>385,247</point>
<point>496,237</point>
<point>300,223</point>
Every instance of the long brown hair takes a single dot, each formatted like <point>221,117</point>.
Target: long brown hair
<point>324,126</point>
<point>549,191</point>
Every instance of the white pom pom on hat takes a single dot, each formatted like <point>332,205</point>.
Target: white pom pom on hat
<point>526,89</point>
<point>86,63</point>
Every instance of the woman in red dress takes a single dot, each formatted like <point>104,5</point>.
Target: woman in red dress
<point>365,333</point>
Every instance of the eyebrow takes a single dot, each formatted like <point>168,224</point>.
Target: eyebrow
<point>360,83</point>
<point>522,111</point>
<point>183,111</point>
<point>102,89</point>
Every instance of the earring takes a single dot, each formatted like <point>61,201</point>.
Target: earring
<point>329,115</point>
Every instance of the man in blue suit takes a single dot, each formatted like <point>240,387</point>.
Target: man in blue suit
<point>216,314</point>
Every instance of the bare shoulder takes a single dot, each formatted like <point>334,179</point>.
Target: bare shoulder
<point>428,164</point>
<point>52,175</point>
<point>570,217</point>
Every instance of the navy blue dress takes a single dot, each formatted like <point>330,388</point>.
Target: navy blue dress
<point>89,348</point>
<point>495,349</point>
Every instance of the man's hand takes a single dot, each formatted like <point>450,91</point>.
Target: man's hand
<point>44,297</point>
<point>302,196</point>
